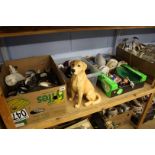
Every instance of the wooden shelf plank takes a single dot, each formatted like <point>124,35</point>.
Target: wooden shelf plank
<point>35,30</point>
<point>72,113</point>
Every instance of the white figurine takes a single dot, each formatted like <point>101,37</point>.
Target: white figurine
<point>104,69</point>
<point>112,64</point>
<point>135,47</point>
<point>124,43</point>
<point>14,77</point>
<point>112,112</point>
<point>128,45</point>
<point>125,107</point>
<point>45,84</point>
<point>100,60</point>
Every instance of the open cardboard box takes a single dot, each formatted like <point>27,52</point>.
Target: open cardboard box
<point>138,63</point>
<point>22,105</point>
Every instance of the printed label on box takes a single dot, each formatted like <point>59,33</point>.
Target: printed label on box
<point>20,115</point>
<point>51,98</point>
<point>17,104</point>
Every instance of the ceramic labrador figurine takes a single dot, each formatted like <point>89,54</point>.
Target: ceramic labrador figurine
<point>81,85</point>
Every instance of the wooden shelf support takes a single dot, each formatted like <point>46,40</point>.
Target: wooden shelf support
<point>146,108</point>
<point>5,113</point>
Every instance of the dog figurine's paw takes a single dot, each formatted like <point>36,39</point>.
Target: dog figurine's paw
<point>70,99</point>
<point>77,106</point>
<point>88,103</point>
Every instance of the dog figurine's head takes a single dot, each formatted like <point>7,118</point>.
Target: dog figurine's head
<point>78,66</point>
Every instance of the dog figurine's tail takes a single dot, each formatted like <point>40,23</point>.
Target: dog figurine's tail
<point>98,100</point>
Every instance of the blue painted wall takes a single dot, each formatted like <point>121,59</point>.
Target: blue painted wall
<point>91,40</point>
<point>145,35</point>
<point>38,45</point>
<point>58,43</point>
<point>19,47</point>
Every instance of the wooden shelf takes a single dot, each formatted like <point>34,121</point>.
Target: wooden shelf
<point>72,113</point>
<point>35,30</point>
<point>61,116</point>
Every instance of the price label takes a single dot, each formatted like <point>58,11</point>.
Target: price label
<point>20,115</point>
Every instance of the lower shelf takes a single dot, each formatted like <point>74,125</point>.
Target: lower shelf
<point>72,113</point>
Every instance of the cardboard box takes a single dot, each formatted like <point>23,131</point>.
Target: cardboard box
<point>138,63</point>
<point>24,106</point>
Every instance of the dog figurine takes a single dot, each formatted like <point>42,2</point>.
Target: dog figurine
<point>81,85</point>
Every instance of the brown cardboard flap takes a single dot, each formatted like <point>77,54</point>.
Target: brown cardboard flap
<point>39,62</point>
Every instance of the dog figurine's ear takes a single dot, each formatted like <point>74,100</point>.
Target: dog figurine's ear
<point>84,66</point>
<point>71,63</point>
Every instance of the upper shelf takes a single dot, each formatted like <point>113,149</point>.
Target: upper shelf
<point>6,31</point>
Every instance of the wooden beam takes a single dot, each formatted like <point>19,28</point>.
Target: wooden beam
<point>35,30</point>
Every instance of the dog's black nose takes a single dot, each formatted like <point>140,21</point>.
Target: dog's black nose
<point>72,70</point>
